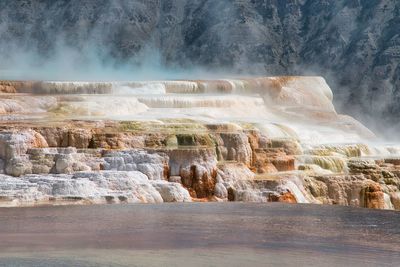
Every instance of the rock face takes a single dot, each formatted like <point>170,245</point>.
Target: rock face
<point>84,187</point>
<point>235,147</point>
<point>171,192</point>
<point>40,174</point>
<point>14,86</point>
<point>343,190</point>
<point>357,41</point>
<point>197,169</point>
<point>153,165</point>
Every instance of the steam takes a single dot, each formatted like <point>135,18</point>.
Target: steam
<point>87,52</point>
<point>352,102</point>
<point>87,64</point>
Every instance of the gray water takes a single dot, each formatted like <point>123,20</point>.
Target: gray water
<point>199,234</point>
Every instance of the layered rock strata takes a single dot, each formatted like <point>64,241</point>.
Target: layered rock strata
<point>260,140</point>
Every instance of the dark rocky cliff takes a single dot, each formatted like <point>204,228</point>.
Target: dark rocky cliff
<point>355,44</point>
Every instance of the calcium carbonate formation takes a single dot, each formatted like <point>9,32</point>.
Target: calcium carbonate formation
<point>259,139</point>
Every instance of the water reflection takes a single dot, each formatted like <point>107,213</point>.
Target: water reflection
<point>198,234</point>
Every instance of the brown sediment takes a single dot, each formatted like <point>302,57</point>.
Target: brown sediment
<point>17,86</point>
<point>72,88</point>
<point>373,197</point>
<point>41,87</point>
<point>286,197</point>
<point>271,86</point>
<point>214,86</point>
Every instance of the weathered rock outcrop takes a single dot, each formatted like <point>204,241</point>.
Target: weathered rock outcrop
<point>88,187</point>
<point>155,166</point>
<point>355,190</point>
<point>234,146</point>
<point>197,169</point>
<point>66,175</point>
<point>15,86</point>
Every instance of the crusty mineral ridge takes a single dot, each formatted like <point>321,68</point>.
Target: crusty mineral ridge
<point>247,139</point>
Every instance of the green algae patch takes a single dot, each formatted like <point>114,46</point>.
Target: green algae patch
<point>184,128</point>
<point>171,141</point>
<point>194,140</point>
<point>132,126</point>
<point>65,110</point>
<point>348,150</point>
<point>289,145</point>
<point>175,121</point>
<point>159,127</point>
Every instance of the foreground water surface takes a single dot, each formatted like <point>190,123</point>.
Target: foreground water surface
<point>199,234</point>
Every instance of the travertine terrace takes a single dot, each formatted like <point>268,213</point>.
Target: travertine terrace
<point>247,139</point>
